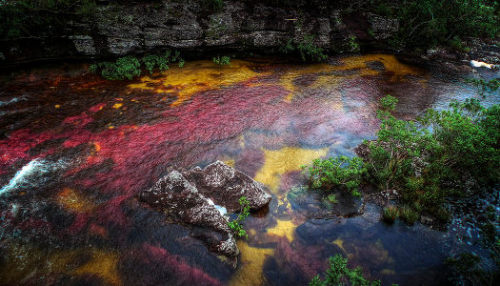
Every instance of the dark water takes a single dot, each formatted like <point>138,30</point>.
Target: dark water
<point>76,150</point>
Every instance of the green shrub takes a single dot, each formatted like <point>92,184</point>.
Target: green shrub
<point>306,48</point>
<point>338,274</point>
<point>339,172</point>
<point>436,156</point>
<point>408,215</point>
<point>443,154</point>
<point>124,68</point>
<point>222,61</point>
<point>235,225</point>
<point>426,23</point>
<point>130,67</point>
<point>390,214</point>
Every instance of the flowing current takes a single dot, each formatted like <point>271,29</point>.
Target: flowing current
<point>75,151</point>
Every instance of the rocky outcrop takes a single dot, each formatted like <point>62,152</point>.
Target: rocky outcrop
<point>189,198</point>
<point>225,185</point>
<point>118,28</point>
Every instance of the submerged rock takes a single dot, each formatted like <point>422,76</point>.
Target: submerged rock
<point>189,198</point>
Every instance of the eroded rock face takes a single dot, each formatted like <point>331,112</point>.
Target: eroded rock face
<point>189,198</point>
<point>224,186</point>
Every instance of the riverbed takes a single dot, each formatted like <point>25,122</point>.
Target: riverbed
<point>76,150</point>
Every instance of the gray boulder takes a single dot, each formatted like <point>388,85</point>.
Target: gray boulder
<point>200,197</point>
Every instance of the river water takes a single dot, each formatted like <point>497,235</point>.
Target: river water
<point>76,150</point>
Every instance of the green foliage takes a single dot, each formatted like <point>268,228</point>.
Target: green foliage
<point>235,225</point>
<point>353,44</point>
<point>436,156</point>
<point>338,274</point>
<point>213,5</point>
<point>124,68</point>
<point>340,172</point>
<point>129,67</point>
<point>443,154</point>
<point>484,87</point>
<point>408,215</point>
<point>390,214</point>
<point>306,48</point>
<point>332,198</point>
<point>222,61</point>
<point>426,23</point>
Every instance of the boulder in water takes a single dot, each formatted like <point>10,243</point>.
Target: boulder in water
<point>189,198</point>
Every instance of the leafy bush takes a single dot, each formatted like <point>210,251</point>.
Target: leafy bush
<point>426,23</point>
<point>390,214</point>
<point>338,274</point>
<point>221,61</point>
<point>124,68</point>
<point>306,47</point>
<point>340,172</point>
<point>235,225</point>
<point>129,67</point>
<point>442,154</point>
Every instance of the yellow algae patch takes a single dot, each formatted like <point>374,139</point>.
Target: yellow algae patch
<point>391,64</point>
<point>325,73</point>
<point>117,105</point>
<point>195,77</point>
<point>71,200</point>
<point>287,159</point>
<point>252,260</point>
<point>284,228</point>
<point>103,264</point>
<point>229,162</point>
<point>340,243</point>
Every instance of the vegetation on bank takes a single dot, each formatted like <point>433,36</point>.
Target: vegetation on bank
<point>221,61</point>
<point>306,48</point>
<point>236,224</point>
<point>338,274</point>
<point>444,154</point>
<point>427,23</point>
<point>130,67</point>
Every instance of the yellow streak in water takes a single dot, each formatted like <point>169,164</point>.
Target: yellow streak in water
<point>252,259</point>
<point>284,228</point>
<point>229,162</point>
<point>71,200</point>
<point>117,105</point>
<point>326,78</point>
<point>195,77</point>
<point>287,159</point>
<point>340,243</point>
<point>104,265</point>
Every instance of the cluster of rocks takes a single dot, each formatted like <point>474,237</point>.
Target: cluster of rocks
<point>202,197</point>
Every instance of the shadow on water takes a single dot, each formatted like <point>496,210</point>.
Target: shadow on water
<point>76,150</point>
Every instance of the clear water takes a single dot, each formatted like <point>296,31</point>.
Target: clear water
<point>76,150</point>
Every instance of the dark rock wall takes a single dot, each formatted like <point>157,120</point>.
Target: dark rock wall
<point>120,28</point>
